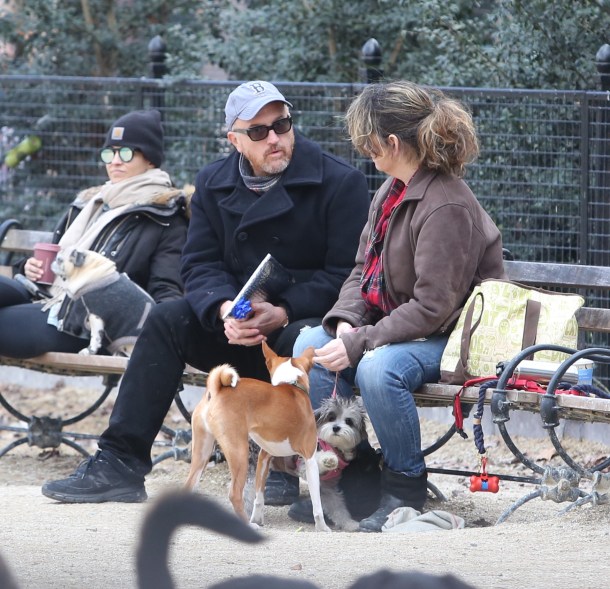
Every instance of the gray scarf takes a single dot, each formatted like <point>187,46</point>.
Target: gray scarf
<point>255,183</point>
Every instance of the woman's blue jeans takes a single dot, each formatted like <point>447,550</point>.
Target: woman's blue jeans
<point>385,376</point>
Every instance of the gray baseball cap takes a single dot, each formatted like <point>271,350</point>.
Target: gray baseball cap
<point>248,98</point>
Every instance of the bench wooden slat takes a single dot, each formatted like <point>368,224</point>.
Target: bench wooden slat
<point>594,320</point>
<point>70,364</point>
<point>569,275</point>
<point>22,240</point>
<point>80,365</point>
<point>579,408</point>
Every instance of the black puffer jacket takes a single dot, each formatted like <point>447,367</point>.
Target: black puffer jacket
<point>145,243</point>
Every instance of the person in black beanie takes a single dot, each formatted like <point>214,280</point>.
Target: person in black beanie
<point>137,218</point>
<point>142,131</point>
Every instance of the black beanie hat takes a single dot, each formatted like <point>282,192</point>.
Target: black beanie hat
<point>142,130</point>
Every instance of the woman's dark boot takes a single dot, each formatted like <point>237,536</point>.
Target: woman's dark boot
<point>397,490</point>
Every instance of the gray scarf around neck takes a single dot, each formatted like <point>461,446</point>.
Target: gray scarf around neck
<point>255,183</point>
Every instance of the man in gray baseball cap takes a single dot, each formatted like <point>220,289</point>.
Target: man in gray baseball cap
<point>277,193</point>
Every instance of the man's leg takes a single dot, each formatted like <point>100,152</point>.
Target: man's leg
<point>172,336</point>
<point>150,383</point>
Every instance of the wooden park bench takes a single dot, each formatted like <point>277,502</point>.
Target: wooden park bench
<point>47,431</point>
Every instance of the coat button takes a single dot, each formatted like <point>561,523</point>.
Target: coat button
<point>243,236</point>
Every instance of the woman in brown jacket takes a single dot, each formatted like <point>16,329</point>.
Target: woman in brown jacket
<point>426,244</point>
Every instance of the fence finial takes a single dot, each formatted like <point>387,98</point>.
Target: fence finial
<point>602,61</point>
<point>157,53</point>
<point>371,57</point>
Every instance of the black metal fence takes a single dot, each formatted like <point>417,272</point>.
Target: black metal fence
<point>543,173</point>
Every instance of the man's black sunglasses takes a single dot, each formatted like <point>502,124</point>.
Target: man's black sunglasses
<point>260,132</point>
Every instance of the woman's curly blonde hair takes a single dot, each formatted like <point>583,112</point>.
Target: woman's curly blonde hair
<point>439,129</point>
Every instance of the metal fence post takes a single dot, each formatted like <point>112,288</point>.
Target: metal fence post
<point>157,53</point>
<point>371,73</point>
<point>371,57</point>
<point>602,61</point>
<point>598,226</point>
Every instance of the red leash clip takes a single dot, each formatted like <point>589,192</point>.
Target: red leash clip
<point>483,482</point>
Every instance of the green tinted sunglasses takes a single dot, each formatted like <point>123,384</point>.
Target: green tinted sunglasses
<point>125,154</point>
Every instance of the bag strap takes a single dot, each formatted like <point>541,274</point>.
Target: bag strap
<point>467,332</point>
<point>530,327</point>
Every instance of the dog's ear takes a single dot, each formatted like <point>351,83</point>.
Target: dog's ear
<point>78,258</point>
<point>268,352</point>
<point>308,354</point>
<point>305,360</point>
<point>270,356</point>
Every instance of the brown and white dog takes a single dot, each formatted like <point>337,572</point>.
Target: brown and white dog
<point>277,416</point>
<point>101,304</point>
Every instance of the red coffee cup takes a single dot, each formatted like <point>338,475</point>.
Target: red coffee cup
<point>46,252</point>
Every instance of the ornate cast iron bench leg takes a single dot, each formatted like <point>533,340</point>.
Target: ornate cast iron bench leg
<point>48,432</point>
<point>180,439</point>
<point>556,484</point>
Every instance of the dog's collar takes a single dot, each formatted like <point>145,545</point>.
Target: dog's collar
<point>298,385</point>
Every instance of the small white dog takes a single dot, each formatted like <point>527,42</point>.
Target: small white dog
<point>101,304</point>
<point>341,425</point>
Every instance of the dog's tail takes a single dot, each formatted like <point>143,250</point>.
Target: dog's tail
<point>171,511</point>
<point>222,376</point>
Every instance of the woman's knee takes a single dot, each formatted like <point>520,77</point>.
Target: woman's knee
<point>405,366</point>
<point>374,373</point>
<point>12,293</point>
<point>314,336</point>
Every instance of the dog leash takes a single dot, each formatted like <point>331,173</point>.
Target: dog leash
<point>334,393</point>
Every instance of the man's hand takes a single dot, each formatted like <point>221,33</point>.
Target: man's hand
<point>333,356</point>
<point>251,331</point>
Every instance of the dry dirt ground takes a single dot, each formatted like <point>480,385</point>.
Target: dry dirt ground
<point>49,545</point>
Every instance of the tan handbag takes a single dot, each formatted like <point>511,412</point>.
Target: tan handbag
<point>500,319</point>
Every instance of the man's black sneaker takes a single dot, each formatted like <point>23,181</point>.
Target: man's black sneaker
<point>98,479</point>
<point>281,488</point>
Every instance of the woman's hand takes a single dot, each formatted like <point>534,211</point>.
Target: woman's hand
<point>333,356</point>
<point>33,269</point>
<point>342,327</point>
